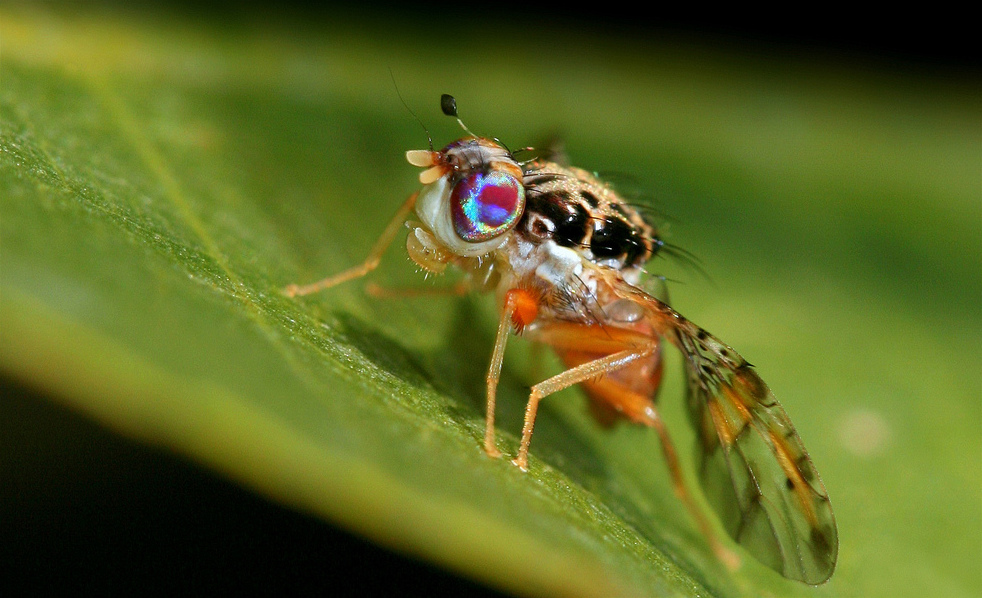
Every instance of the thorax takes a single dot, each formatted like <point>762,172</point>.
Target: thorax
<point>574,235</point>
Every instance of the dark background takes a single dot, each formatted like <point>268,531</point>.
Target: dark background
<point>84,511</point>
<point>932,36</point>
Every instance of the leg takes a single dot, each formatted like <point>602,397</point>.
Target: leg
<point>520,308</point>
<point>494,374</point>
<point>575,375</point>
<point>370,263</point>
<point>624,393</point>
<point>627,389</point>
<point>727,557</point>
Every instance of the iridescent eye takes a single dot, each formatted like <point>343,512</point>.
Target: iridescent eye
<point>486,204</point>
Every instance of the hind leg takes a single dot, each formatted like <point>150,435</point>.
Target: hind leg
<point>628,392</point>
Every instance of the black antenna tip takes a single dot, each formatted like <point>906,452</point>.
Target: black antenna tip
<point>448,104</point>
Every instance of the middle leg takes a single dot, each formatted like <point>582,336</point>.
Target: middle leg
<point>596,368</point>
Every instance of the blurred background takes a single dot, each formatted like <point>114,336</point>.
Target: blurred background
<point>117,516</point>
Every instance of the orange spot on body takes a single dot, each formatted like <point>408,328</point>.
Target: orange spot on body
<point>524,306</point>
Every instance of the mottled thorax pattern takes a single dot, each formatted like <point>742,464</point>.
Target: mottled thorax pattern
<point>576,210</point>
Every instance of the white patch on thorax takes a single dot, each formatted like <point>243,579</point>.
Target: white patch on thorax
<point>559,264</point>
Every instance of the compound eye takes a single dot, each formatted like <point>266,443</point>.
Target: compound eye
<point>484,205</point>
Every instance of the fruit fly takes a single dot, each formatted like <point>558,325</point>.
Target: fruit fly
<point>563,253</point>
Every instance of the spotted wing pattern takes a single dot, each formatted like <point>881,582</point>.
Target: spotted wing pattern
<point>754,468</point>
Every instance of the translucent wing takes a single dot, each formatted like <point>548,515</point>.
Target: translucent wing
<point>754,468</point>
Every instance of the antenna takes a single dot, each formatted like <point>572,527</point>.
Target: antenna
<point>449,106</point>
<point>406,106</point>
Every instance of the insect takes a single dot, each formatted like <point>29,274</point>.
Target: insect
<point>563,253</point>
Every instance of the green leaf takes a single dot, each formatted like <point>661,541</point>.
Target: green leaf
<point>161,181</point>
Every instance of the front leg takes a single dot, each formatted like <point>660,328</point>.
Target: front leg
<point>370,263</point>
<point>520,308</point>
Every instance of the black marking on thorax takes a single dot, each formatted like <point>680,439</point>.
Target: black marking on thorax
<point>576,210</point>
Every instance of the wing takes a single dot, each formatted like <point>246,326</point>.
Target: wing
<point>754,467</point>
<point>755,470</point>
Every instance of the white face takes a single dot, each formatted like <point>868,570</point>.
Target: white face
<point>472,195</point>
